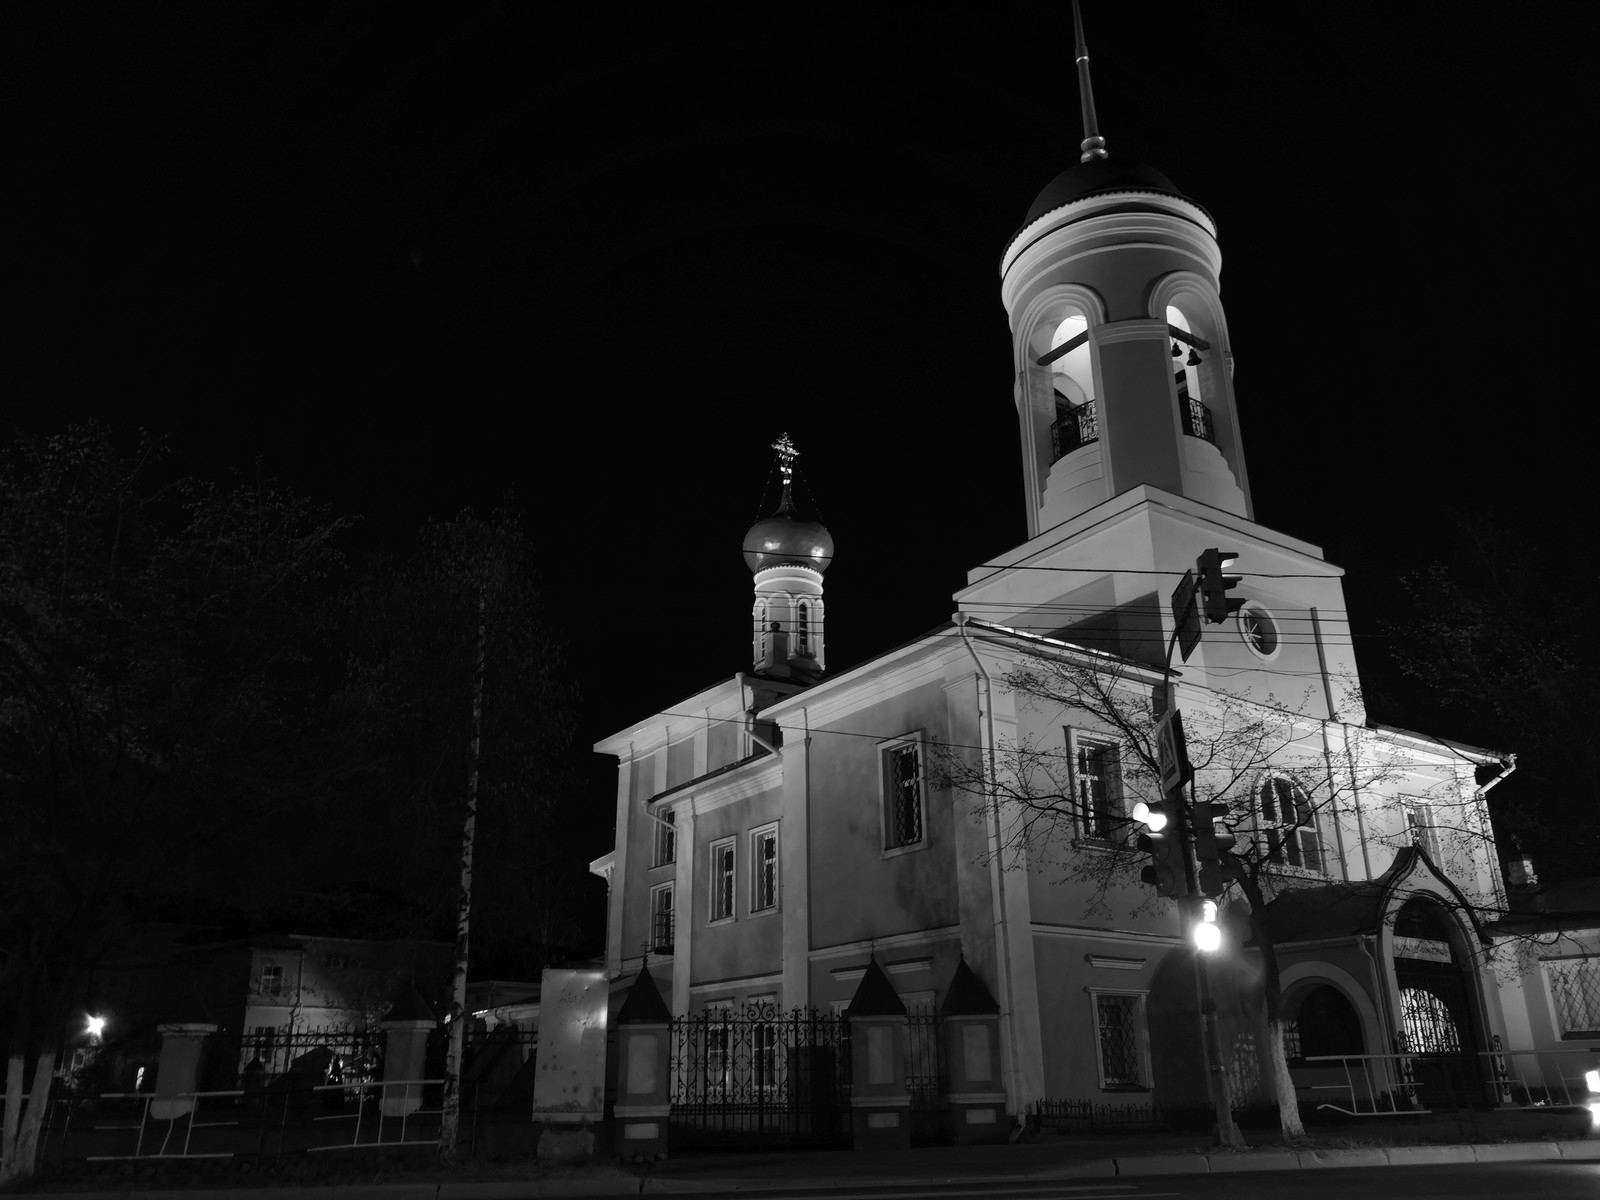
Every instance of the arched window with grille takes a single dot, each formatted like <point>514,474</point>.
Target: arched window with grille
<point>802,630</point>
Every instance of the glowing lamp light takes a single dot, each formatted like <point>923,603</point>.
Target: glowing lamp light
<point>1207,933</point>
<point>1594,1114</point>
<point>1591,1080</point>
<point>95,1026</point>
<point>1152,818</point>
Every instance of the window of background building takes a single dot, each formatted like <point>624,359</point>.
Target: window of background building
<point>902,794</point>
<point>764,869</point>
<point>271,979</point>
<point>1121,1040</point>
<point>663,919</point>
<point>1288,825</point>
<point>802,630</point>
<point>722,877</point>
<point>1419,822</point>
<point>1096,769</point>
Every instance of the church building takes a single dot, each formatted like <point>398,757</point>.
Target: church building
<point>948,802</point>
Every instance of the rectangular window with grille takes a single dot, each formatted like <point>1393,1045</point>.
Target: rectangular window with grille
<point>1575,994</point>
<point>722,880</point>
<point>764,869</point>
<point>902,785</point>
<point>271,980</point>
<point>662,919</point>
<point>1290,825</point>
<point>1419,822</point>
<point>1120,1037</point>
<point>666,840</point>
<point>1097,787</point>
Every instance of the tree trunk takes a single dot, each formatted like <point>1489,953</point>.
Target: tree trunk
<point>1272,993</point>
<point>22,1124</point>
<point>450,1118</point>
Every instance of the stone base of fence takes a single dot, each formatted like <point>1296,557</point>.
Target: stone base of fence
<point>977,1117</point>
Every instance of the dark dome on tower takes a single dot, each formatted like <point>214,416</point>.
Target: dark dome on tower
<point>1097,176</point>
<point>788,539</point>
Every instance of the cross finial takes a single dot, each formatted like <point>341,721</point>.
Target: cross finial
<point>786,456</point>
<point>1093,145</point>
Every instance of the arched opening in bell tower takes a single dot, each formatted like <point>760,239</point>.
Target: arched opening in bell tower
<point>1072,386</point>
<point>1193,410</point>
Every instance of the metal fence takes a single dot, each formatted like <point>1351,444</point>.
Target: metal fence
<point>1085,1116</point>
<point>927,1078</point>
<point>760,1077</point>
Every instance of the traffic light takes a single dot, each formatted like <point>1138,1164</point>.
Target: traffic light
<point>1163,840</point>
<point>1213,848</point>
<point>1215,603</point>
<point>1206,933</point>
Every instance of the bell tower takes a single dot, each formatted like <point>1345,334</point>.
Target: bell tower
<point>1132,462</point>
<point>788,553</point>
<point>1123,367</point>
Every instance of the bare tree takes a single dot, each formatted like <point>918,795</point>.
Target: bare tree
<point>1284,776</point>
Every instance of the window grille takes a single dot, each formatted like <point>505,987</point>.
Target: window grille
<point>764,852</point>
<point>722,881</point>
<point>802,631</point>
<point>1098,785</point>
<point>1290,825</point>
<point>662,920</point>
<point>905,795</point>
<point>1575,991</point>
<point>1117,1019</point>
<point>1429,1027</point>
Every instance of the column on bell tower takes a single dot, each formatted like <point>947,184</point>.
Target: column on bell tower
<point>788,552</point>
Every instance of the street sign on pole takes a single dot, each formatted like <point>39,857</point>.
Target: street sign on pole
<point>1186,615</point>
<point>1172,752</point>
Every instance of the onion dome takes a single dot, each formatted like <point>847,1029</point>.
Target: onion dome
<point>1095,177</point>
<point>785,538</point>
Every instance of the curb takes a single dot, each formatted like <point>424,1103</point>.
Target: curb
<point>1147,1165</point>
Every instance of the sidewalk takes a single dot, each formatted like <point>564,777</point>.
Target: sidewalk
<point>1043,1159</point>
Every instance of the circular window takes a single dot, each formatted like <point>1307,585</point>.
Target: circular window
<point>1259,630</point>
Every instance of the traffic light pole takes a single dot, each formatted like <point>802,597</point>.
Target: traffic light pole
<point>1216,1073</point>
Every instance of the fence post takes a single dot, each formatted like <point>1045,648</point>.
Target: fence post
<point>178,1062</point>
<point>405,1050</point>
<point>643,1073</point>
<point>880,1106</point>
<point>977,1102</point>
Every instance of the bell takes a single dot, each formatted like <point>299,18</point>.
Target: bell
<point>1194,357</point>
<point>1176,353</point>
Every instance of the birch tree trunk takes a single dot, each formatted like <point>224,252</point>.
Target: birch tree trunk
<point>450,1119</point>
<point>1272,993</point>
<point>22,1124</point>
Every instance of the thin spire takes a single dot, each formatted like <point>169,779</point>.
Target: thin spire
<point>1093,145</point>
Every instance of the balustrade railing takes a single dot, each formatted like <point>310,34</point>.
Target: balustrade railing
<point>1196,418</point>
<point>1073,429</point>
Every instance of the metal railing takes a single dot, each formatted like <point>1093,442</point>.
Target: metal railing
<point>1196,418</point>
<point>412,1088</point>
<point>1535,1079</point>
<point>1074,429</point>
<point>1387,1085</point>
<point>171,1123</point>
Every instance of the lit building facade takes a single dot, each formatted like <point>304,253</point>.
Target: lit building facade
<point>777,829</point>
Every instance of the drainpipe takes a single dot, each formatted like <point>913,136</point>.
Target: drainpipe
<point>997,875</point>
<point>1380,995</point>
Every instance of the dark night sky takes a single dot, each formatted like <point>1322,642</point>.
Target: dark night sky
<point>410,258</point>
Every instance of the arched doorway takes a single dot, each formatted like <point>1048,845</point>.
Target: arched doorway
<point>1437,1023</point>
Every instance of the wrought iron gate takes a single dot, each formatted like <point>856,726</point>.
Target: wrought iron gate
<point>1438,1033</point>
<point>760,1077</point>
